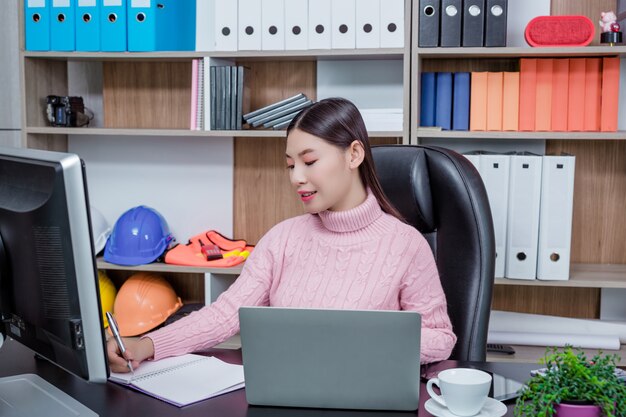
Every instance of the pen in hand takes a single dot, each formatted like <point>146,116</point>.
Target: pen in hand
<point>118,338</point>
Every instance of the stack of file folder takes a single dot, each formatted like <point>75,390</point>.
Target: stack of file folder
<point>278,115</point>
<point>577,94</point>
<point>531,199</point>
<point>255,25</point>
<point>110,25</point>
<point>445,100</point>
<point>219,96</point>
<point>468,23</point>
<point>546,95</point>
<point>227,96</point>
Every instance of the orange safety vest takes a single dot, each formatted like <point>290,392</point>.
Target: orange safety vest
<point>234,252</point>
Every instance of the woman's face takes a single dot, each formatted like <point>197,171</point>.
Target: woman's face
<point>321,173</point>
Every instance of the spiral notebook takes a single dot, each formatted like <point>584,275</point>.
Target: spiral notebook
<point>183,380</point>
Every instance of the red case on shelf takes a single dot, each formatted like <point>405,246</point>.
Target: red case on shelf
<point>543,31</point>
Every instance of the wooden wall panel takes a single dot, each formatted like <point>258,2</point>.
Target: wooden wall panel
<point>274,81</point>
<point>555,301</point>
<point>599,199</point>
<point>148,95</point>
<point>42,78</point>
<point>589,8</point>
<point>263,195</point>
<point>56,143</point>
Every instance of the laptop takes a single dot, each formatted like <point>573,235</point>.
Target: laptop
<point>348,359</point>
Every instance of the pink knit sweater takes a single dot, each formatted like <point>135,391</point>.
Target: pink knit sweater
<point>361,258</point>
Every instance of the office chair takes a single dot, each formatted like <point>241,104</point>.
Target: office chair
<point>440,193</point>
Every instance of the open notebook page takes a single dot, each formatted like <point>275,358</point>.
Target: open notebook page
<point>183,380</point>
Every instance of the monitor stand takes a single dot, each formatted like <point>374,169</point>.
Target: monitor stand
<point>31,395</point>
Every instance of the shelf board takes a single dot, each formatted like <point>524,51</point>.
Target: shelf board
<point>162,267</point>
<point>314,54</point>
<point>177,132</point>
<point>304,55</point>
<point>516,52</point>
<point>385,134</point>
<point>152,132</point>
<point>458,134</point>
<point>532,354</point>
<point>581,276</point>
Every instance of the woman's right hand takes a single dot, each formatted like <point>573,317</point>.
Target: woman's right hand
<point>137,351</point>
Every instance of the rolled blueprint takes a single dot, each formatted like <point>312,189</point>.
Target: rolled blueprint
<point>555,339</point>
<point>505,321</point>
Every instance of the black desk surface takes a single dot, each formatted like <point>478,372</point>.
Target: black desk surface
<point>113,400</point>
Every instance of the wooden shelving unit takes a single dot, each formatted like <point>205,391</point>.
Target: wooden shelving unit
<point>598,244</point>
<point>598,253</point>
<point>165,268</point>
<point>581,276</point>
<point>309,55</point>
<point>520,52</point>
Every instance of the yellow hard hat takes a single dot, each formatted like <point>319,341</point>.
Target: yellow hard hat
<point>107,295</point>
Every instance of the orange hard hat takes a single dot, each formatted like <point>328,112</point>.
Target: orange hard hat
<point>143,302</point>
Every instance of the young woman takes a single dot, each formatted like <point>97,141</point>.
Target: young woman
<point>351,251</point>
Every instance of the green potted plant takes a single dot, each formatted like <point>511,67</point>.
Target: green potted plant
<point>572,385</point>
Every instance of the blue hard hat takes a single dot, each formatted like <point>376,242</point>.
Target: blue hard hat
<point>139,237</point>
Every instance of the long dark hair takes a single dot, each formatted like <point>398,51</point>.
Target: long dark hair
<point>338,122</point>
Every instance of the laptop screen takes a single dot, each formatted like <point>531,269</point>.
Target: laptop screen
<point>349,359</point>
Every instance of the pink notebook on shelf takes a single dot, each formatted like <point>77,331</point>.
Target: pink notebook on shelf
<point>183,380</point>
<point>194,94</point>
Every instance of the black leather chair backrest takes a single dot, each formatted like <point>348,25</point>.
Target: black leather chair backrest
<point>440,193</point>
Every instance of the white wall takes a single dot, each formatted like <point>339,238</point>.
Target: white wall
<point>519,13</point>
<point>369,84</point>
<point>188,180</point>
<point>10,103</point>
<point>10,138</point>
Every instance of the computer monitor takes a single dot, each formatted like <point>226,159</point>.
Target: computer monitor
<point>49,298</point>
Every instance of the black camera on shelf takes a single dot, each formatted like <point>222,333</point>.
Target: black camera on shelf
<point>64,111</point>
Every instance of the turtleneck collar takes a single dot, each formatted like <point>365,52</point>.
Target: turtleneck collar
<point>354,219</point>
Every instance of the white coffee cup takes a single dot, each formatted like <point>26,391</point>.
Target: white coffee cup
<point>463,390</point>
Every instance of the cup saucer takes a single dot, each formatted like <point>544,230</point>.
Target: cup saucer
<point>492,408</point>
